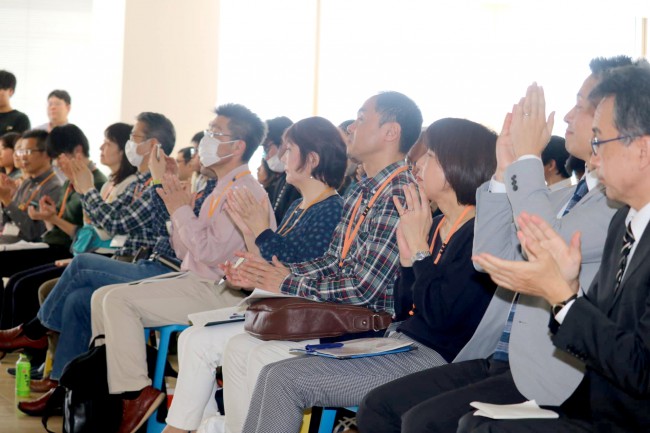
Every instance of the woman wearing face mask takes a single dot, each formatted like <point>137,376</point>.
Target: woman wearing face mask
<point>315,160</point>
<point>281,193</point>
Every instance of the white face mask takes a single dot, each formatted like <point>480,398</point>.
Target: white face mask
<point>208,148</point>
<point>275,164</point>
<point>131,151</point>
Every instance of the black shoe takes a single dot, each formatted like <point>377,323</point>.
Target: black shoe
<point>36,373</point>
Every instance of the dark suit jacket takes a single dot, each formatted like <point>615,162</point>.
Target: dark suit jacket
<point>610,333</point>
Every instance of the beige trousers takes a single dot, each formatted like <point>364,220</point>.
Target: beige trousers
<point>122,311</point>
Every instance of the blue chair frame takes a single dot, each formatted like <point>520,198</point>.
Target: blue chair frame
<point>328,417</point>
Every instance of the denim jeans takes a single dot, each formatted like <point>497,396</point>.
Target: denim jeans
<point>67,308</point>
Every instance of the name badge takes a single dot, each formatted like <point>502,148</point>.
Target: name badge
<point>11,229</point>
<point>118,241</point>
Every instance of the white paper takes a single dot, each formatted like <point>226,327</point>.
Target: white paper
<point>23,245</point>
<point>526,410</point>
<point>357,348</point>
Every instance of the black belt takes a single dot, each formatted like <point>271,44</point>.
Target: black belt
<point>171,263</point>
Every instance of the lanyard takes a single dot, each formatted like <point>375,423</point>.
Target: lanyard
<point>139,190</point>
<point>24,205</point>
<point>453,230</point>
<point>313,202</point>
<point>351,234</point>
<point>68,190</point>
<point>215,201</point>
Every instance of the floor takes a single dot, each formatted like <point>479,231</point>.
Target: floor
<point>11,419</point>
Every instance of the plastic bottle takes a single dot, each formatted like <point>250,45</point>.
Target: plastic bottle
<point>23,367</point>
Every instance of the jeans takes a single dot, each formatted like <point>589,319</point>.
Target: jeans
<point>67,308</point>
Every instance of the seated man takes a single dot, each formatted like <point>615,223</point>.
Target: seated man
<point>121,311</point>
<point>524,364</point>
<point>607,329</point>
<point>554,158</point>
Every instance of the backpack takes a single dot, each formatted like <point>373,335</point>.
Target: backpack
<point>88,407</point>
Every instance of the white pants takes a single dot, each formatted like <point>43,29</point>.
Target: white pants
<point>200,351</point>
<point>122,311</point>
<point>244,358</point>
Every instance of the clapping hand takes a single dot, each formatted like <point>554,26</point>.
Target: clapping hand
<point>46,210</point>
<point>250,215</point>
<point>161,164</point>
<point>553,266</point>
<point>78,172</point>
<point>8,188</point>
<point>173,194</point>
<point>504,150</point>
<point>256,272</point>
<point>530,130</point>
<point>415,223</point>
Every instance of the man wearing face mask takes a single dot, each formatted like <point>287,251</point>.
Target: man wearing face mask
<point>281,194</point>
<point>121,311</point>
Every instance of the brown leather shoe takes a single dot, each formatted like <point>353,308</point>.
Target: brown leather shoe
<point>14,338</point>
<point>35,407</point>
<point>135,412</point>
<point>43,385</point>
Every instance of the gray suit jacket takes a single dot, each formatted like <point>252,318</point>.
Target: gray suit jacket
<point>540,371</point>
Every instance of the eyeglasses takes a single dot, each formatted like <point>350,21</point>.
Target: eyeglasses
<point>216,135</point>
<point>21,152</point>
<point>595,142</point>
<point>132,136</point>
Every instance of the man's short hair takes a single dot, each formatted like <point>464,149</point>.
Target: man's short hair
<point>630,88</point>
<point>320,136</point>
<point>187,153</point>
<point>159,127</point>
<point>396,107</point>
<point>9,139</point>
<point>276,128</point>
<point>600,65</point>
<point>196,138</point>
<point>244,125</point>
<point>7,80</point>
<point>39,135</point>
<point>60,94</point>
<point>65,139</point>
<point>556,151</point>
<point>466,152</point>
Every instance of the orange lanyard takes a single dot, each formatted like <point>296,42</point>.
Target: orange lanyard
<point>139,190</point>
<point>215,201</point>
<point>68,190</point>
<point>313,202</point>
<point>453,230</point>
<point>23,206</point>
<point>349,233</point>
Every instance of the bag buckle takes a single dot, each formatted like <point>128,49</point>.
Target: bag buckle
<point>376,320</point>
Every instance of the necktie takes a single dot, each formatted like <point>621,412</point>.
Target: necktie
<point>628,241</point>
<point>581,190</point>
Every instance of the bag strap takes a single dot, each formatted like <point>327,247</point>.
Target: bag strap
<point>53,406</point>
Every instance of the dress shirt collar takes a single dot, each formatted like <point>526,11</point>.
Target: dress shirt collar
<point>372,183</point>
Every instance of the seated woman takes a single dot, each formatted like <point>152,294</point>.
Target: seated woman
<point>7,161</point>
<point>315,160</point>
<point>440,295</point>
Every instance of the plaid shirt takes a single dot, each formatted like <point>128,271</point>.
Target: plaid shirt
<point>130,214</point>
<point>371,267</point>
<point>161,216</point>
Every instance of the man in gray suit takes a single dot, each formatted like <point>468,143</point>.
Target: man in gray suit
<point>607,329</point>
<point>525,364</point>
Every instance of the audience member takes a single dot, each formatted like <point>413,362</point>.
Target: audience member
<point>11,120</point>
<point>525,364</point>
<point>315,162</point>
<point>40,182</point>
<point>351,168</point>
<point>199,180</point>
<point>184,159</point>
<point>7,164</point>
<point>58,108</point>
<point>281,194</point>
<point>575,166</point>
<point>362,263</point>
<point>120,313</point>
<point>606,329</point>
<point>554,158</point>
<point>440,296</point>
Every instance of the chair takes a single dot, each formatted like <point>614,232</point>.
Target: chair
<point>328,417</point>
<point>153,425</point>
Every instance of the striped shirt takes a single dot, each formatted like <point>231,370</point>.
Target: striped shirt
<point>371,267</point>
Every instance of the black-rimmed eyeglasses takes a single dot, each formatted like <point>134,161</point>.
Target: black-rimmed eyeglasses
<point>595,142</point>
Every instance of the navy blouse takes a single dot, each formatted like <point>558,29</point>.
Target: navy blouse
<point>309,238</point>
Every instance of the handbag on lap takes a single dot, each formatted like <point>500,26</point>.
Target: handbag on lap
<point>297,319</point>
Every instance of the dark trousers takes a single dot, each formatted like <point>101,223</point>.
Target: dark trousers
<point>434,400</point>
<point>20,301</point>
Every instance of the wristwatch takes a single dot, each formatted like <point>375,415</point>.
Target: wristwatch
<point>420,255</point>
<point>556,308</point>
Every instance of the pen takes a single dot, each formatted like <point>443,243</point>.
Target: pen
<point>312,347</point>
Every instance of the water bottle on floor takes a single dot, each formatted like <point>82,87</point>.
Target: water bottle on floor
<point>23,367</point>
